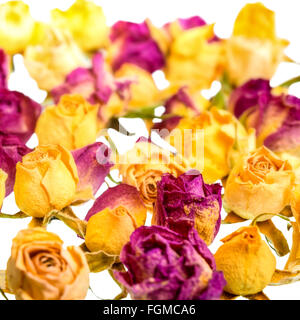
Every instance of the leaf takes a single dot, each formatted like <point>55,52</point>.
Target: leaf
<point>219,100</point>
<point>257,296</point>
<point>18,215</point>
<point>69,218</point>
<point>228,296</point>
<point>115,124</point>
<point>275,236</point>
<point>123,294</point>
<point>293,262</point>
<point>100,260</point>
<point>282,277</point>
<point>232,218</point>
<point>3,283</point>
<point>287,212</point>
<point>143,113</point>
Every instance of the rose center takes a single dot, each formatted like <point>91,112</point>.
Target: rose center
<point>48,262</point>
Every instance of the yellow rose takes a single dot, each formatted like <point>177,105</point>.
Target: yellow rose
<point>253,51</point>
<point>46,179</point>
<point>144,92</point>
<point>193,60</point>
<point>51,60</point>
<point>86,22</point>
<point>207,142</point>
<point>17,26</point>
<point>143,166</point>
<point>41,269</point>
<point>259,183</point>
<point>246,261</point>
<point>72,123</point>
<point>109,230</point>
<point>3,177</point>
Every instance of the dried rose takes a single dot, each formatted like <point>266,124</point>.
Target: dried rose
<point>187,202</point>
<point>109,230</point>
<point>113,217</point>
<point>46,180</point>
<point>259,183</point>
<point>253,50</point>
<point>143,166</point>
<point>164,265</point>
<point>95,84</point>
<point>41,269</point>
<point>195,56</point>
<point>276,118</point>
<point>86,22</point>
<point>246,261</point>
<point>18,114</point>
<point>72,123</point>
<point>135,43</point>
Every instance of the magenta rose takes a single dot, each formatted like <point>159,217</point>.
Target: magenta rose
<point>135,45</point>
<point>187,202</point>
<point>12,149</point>
<point>164,265</point>
<point>276,118</point>
<point>95,84</point>
<point>18,114</point>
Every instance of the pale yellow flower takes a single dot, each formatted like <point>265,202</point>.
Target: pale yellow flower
<point>17,26</point>
<point>253,50</point>
<point>86,22</point>
<point>49,61</point>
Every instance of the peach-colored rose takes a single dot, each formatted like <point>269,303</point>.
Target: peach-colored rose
<point>259,183</point>
<point>143,166</point>
<point>41,269</point>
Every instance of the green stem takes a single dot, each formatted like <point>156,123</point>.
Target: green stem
<point>288,83</point>
<point>113,180</point>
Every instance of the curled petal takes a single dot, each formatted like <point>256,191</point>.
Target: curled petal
<point>121,195</point>
<point>93,165</point>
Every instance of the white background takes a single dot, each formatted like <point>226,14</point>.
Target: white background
<point>220,12</point>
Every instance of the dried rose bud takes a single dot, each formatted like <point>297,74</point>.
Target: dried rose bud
<point>186,202</point>
<point>164,265</point>
<point>246,261</point>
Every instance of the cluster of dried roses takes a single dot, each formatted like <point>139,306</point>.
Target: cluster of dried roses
<point>94,75</point>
